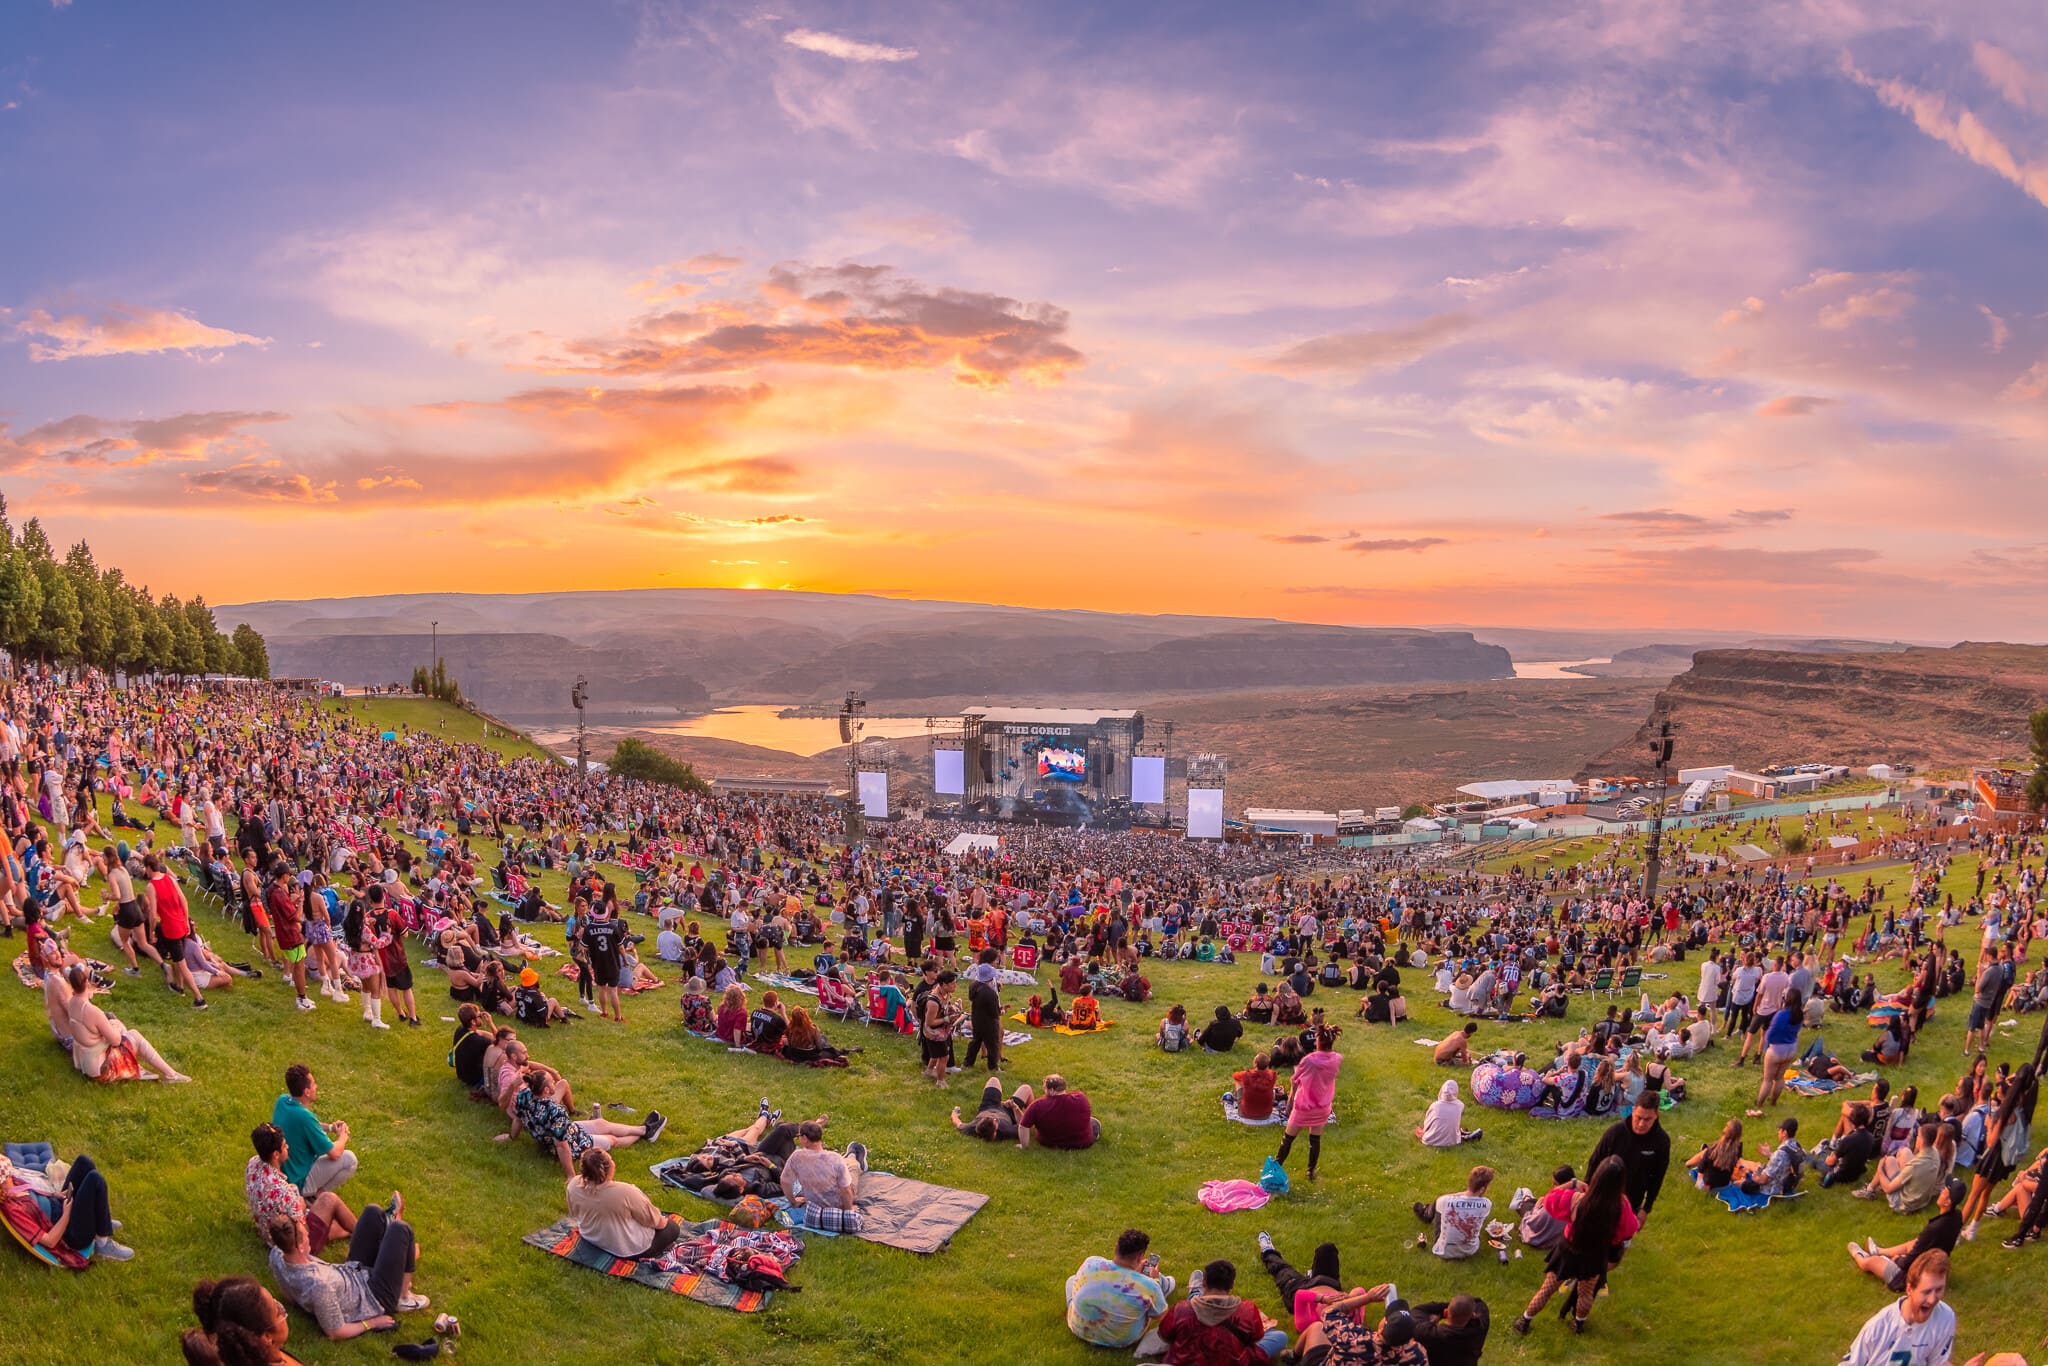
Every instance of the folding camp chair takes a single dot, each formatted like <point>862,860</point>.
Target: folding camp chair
<point>1631,978</point>
<point>1024,958</point>
<point>836,998</point>
<point>1603,981</point>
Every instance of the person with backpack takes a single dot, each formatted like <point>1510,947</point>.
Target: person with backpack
<point>1597,1233</point>
<point>1172,1036</point>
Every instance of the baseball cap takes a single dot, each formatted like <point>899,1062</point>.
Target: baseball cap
<point>1399,1327</point>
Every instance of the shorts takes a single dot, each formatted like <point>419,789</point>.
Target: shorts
<point>1979,1016</point>
<point>319,932</point>
<point>1779,1052</point>
<point>626,977</point>
<point>295,954</point>
<point>172,950</point>
<point>362,965</point>
<point>400,980</point>
<point>128,915</point>
<point>318,1235</point>
<point>934,1049</point>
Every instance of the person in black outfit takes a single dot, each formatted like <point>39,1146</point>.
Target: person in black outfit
<point>985,1010</point>
<point>1643,1146</point>
<point>1452,1332</point>
<point>1322,1271</point>
<point>1221,1034</point>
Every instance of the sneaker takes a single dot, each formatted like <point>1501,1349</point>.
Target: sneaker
<point>1970,1232</point>
<point>1196,1283</point>
<point>775,1116</point>
<point>379,1024</point>
<point>1475,1135</point>
<point>1857,1254</point>
<point>1522,1325</point>
<point>110,1250</point>
<point>1423,1212</point>
<point>764,1105</point>
<point>1865,1193</point>
<point>256,972</point>
<point>411,1304</point>
<point>305,1003</point>
<point>1265,1241</point>
<point>200,1004</point>
<point>412,1020</point>
<point>859,1153</point>
<point>133,972</point>
<point>2015,1243</point>
<point>656,1122</point>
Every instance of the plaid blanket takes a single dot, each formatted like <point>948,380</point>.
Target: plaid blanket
<point>562,1240</point>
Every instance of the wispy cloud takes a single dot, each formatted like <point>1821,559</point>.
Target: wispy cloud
<point>1296,538</point>
<point>1394,543</point>
<point>123,330</point>
<point>2022,87</point>
<point>846,49</point>
<point>1950,122</point>
<point>1371,349</point>
<point>1793,405</point>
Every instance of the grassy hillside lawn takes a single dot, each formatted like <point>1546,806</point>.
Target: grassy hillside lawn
<point>1700,1286</point>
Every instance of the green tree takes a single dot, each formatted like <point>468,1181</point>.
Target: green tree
<point>252,655</point>
<point>125,647</point>
<point>638,759</point>
<point>21,595</point>
<point>55,635</point>
<point>188,647</point>
<point>95,616</point>
<point>159,642</point>
<point>2037,785</point>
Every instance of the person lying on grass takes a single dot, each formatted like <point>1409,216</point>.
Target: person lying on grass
<point>995,1119</point>
<point>74,1215</point>
<point>539,1110</point>
<point>361,1295</point>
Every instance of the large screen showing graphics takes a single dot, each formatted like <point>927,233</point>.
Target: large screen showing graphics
<point>1148,780</point>
<point>949,772</point>
<point>1205,813</point>
<point>874,795</point>
<point>1063,765</point>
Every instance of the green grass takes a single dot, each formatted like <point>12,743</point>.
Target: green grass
<point>1701,1285</point>
<point>450,723</point>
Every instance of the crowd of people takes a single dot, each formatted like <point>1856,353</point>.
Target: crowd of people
<point>349,856</point>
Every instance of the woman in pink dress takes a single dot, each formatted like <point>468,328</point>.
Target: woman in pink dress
<point>1315,1092</point>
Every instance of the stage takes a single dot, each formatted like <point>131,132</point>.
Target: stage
<point>1058,766</point>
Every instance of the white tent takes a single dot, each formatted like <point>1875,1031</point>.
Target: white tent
<point>960,844</point>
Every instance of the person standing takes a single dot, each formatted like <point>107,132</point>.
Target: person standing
<point>287,919</point>
<point>604,938</point>
<point>1315,1096</point>
<point>1601,1223</point>
<point>173,927</point>
<point>1644,1147</point>
<point>985,1012</point>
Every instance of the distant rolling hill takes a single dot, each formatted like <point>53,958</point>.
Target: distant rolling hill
<point>644,649</point>
<point>1934,708</point>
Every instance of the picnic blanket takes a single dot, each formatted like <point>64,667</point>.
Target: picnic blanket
<point>1738,1203</point>
<point>568,970</point>
<point>1279,1115</point>
<point>561,1239</point>
<point>895,1211</point>
<point>1011,1037</point>
<point>1021,1018</point>
<point>101,978</point>
<point>782,981</point>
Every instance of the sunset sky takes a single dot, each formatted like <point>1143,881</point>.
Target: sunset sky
<point>1637,313</point>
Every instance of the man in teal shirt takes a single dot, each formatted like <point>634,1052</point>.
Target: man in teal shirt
<point>314,1160</point>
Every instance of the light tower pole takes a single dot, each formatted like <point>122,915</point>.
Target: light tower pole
<point>577,695</point>
<point>1660,754</point>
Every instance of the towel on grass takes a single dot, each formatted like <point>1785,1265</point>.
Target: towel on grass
<point>562,1240</point>
<point>568,970</point>
<point>1011,1037</point>
<point>1740,1203</point>
<point>1228,1197</point>
<point>895,1211</point>
<point>782,981</point>
<point>1279,1115</point>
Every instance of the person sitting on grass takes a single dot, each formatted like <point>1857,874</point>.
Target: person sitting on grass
<point>1085,1013</point>
<point>1112,1300</point>
<point>1916,1329</point>
<point>1059,1118</point>
<point>240,1324</point>
<point>1909,1181</point>
<point>271,1195</point>
<point>74,1216</point>
<point>1714,1165</point>
<point>1846,1155</point>
<point>767,1023</point>
<point>1172,1035</point>
<point>1259,1008</point>
<point>804,1042</point>
<point>1213,1326</point>
<point>616,1216</point>
<point>1302,1293</point>
<point>1257,1089</point>
<point>1287,1006</point>
<point>1894,1265</point>
<point>1442,1123</point>
<point>1543,1223</point>
<point>825,1184</point>
<point>1456,1051</point>
<point>539,1110</point>
<point>1459,1218</point>
<point>995,1119</point>
<point>1783,1164</point>
<point>534,1007</point>
<point>361,1295</point>
<point>104,1049</point>
<point>1221,1034</point>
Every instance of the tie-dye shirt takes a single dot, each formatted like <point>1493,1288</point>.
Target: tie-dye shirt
<point>1109,1305</point>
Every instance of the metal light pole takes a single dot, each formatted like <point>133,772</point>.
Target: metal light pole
<point>577,695</point>
<point>1660,753</point>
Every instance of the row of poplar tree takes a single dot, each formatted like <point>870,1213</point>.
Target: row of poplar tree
<point>72,610</point>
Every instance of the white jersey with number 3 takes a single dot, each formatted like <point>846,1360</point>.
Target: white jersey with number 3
<point>1888,1340</point>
